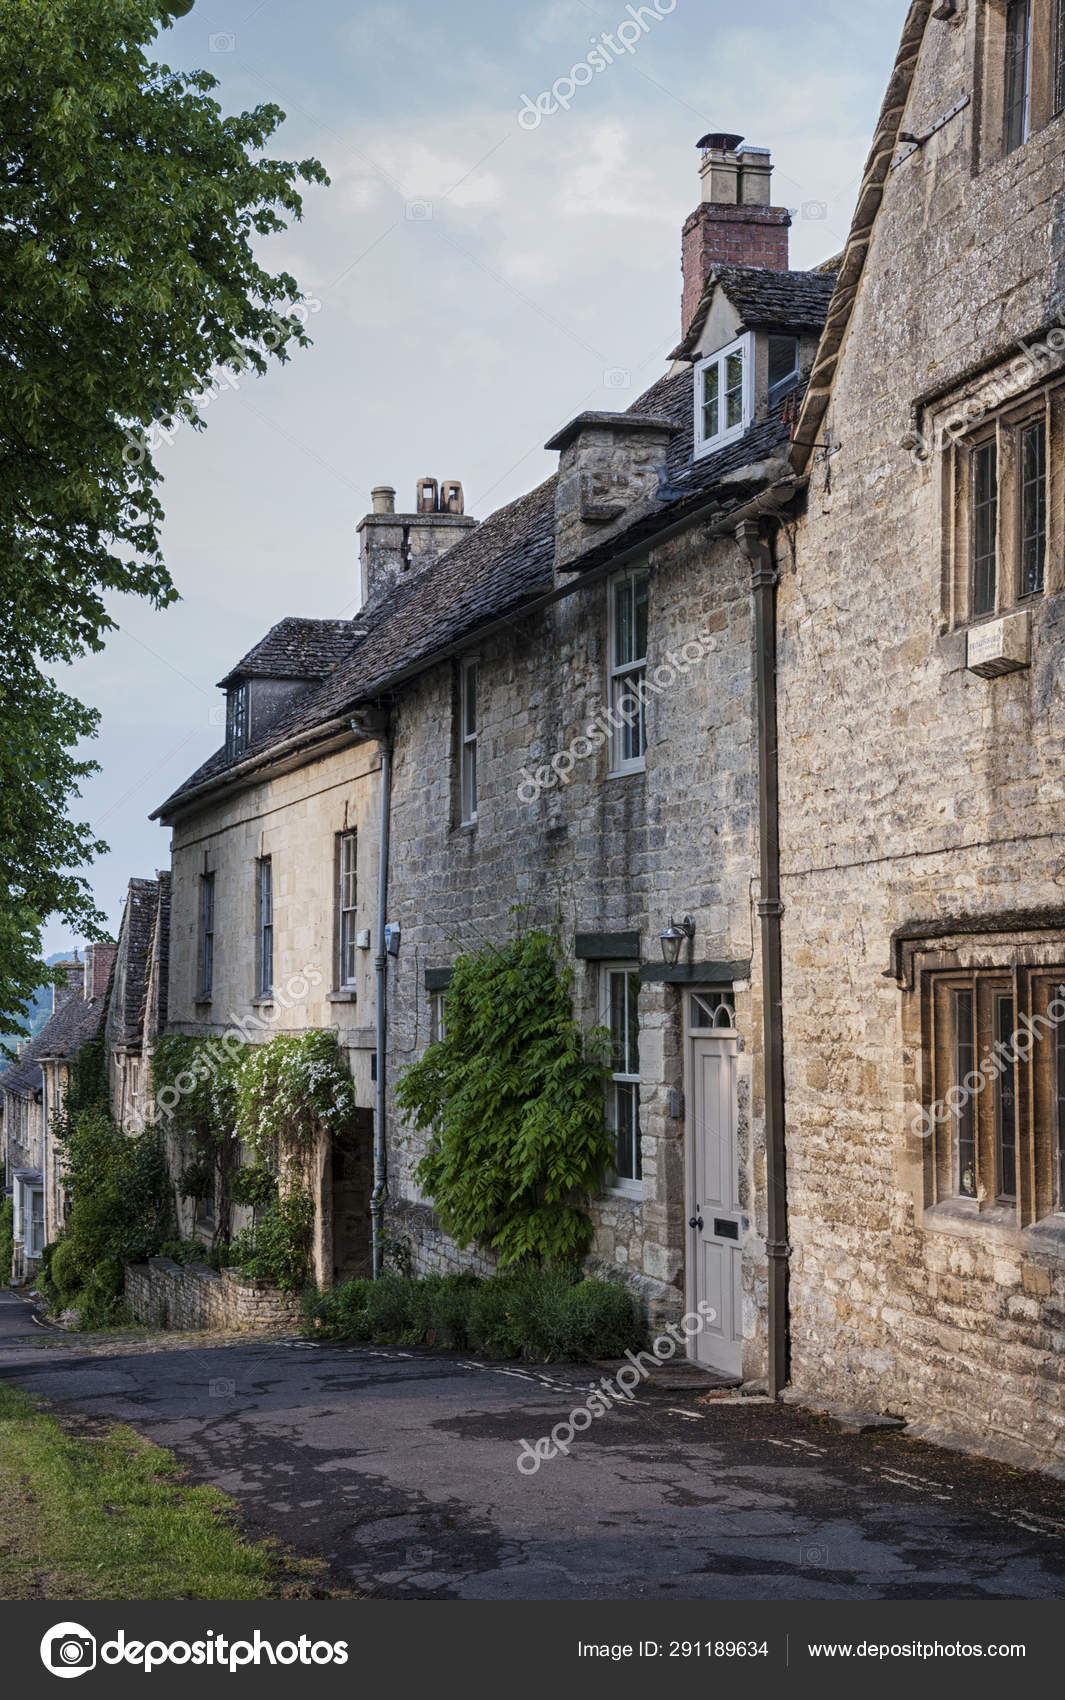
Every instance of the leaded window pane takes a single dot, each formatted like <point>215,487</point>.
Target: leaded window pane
<point>1018,72</point>
<point>985,528</point>
<point>1033,507</point>
<point>1059,1095</point>
<point>964,1066</point>
<point>1006,1101</point>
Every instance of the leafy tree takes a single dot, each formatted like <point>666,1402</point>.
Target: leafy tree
<point>129,212</point>
<point>514,1098</point>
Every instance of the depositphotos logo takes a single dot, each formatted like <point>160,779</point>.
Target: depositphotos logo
<point>70,1650</point>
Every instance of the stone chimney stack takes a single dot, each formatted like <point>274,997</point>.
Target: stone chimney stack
<point>397,547</point>
<point>98,960</point>
<point>68,981</point>
<point>734,224</point>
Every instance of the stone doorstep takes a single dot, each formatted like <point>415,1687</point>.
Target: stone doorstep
<point>848,1418</point>
<point>676,1378</point>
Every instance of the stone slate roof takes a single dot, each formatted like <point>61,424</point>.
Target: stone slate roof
<point>504,566</point>
<point>158,947</point>
<point>764,300</point>
<point>131,963</point>
<point>852,266</point>
<point>297,649</point>
<point>63,1035</point>
<point>218,763</point>
<point>72,1027</point>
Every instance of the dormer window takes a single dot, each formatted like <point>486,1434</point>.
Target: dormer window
<point>723,396</point>
<point>783,367</point>
<point>236,720</point>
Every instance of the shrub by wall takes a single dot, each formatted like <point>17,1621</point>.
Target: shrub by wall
<point>532,1313</point>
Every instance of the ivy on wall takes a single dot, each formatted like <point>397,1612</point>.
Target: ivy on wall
<point>513,1098</point>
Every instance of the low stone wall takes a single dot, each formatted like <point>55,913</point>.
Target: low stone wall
<point>191,1296</point>
<point>416,1234</point>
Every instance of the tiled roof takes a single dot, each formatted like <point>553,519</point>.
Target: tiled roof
<point>291,715</point>
<point>24,1076</point>
<point>131,963</point>
<point>71,1027</point>
<point>790,301</point>
<point>501,568</point>
<point>297,649</point>
<point>859,241</point>
<point>159,953</point>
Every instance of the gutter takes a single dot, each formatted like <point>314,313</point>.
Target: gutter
<point>751,534</point>
<point>375,725</point>
<point>245,771</point>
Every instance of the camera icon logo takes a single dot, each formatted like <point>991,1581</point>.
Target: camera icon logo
<point>419,210</point>
<point>223,1389</point>
<point>815,209</point>
<point>617,378</point>
<point>222,42</point>
<point>814,1557</point>
<point>68,1650</point>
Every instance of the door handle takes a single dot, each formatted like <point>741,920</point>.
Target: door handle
<point>695,1222</point>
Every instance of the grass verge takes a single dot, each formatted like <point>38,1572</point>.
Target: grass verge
<point>108,1518</point>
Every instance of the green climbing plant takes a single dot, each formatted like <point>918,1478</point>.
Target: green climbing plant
<point>288,1087</point>
<point>513,1099</point>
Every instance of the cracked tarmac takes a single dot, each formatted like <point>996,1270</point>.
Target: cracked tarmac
<point>399,1470</point>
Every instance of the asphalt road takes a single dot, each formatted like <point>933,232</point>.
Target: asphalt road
<point>399,1469</point>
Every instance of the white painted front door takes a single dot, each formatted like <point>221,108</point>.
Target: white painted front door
<point>715,1227</point>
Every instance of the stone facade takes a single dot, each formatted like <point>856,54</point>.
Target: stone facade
<point>295,818</point>
<point>916,792</point>
<point>614,854</point>
<point>188,1297</point>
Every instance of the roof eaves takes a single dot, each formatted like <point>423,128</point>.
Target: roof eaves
<point>870,198</point>
<point>248,771</point>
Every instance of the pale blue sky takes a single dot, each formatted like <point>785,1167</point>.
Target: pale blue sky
<point>479,283</point>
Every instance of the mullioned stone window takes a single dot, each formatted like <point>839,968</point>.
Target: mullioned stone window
<point>1003,495</point>
<point>991,1080</point>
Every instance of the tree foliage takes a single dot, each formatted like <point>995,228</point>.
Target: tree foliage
<point>120,1206</point>
<point>130,213</point>
<point>513,1097</point>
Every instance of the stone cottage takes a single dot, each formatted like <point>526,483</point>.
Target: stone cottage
<point>922,758</point>
<point>32,1091</point>
<point>274,865</point>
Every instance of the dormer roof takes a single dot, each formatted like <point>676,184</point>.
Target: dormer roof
<point>764,300</point>
<point>297,649</point>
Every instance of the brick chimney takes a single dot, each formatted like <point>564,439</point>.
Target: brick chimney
<point>396,547</point>
<point>734,225</point>
<point>98,960</point>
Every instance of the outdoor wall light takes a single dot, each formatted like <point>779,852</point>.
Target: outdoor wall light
<point>673,937</point>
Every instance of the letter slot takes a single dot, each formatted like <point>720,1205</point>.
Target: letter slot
<point>726,1230</point>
